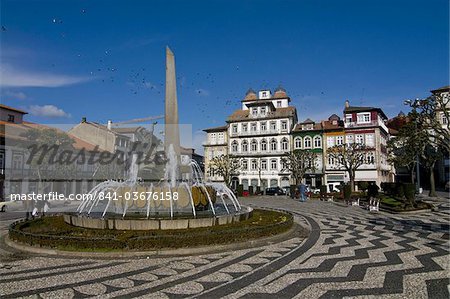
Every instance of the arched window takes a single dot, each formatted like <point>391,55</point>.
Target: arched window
<point>317,142</point>
<point>245,146</point>
<point>234,146</point>
<point>263,145</point>
<point>284,144</point>
<point>298,142</point>
<point>307,142</point>
<point>273,145</point>
<point>254,145</point>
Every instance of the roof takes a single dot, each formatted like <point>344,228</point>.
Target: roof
<point>307,121</point>
<point>216,129</point>
<point>316,127</point>
<point>103,127</point>
<point>352,109</point>
<point>441,89</point>
<point>12,109</point>
<point>17,132</point>
<point>241,115</point>
<point>328,125</point>
<point>127,130</point>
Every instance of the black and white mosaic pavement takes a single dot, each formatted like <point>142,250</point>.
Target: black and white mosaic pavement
<point>349,253</point>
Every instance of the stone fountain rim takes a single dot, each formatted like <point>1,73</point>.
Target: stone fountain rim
<point>80,220</point>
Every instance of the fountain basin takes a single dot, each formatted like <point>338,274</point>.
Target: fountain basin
<point>156,223</point>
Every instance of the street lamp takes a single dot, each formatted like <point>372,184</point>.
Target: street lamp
<point>415,104</point>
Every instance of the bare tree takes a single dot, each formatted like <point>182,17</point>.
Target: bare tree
<point>226,166</point>
<point>298,163</point>
<point>350,156</point>
<point>433,114</point>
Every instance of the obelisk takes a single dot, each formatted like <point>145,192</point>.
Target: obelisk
<point>171,127</point>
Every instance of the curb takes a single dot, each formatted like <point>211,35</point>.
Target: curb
<point>293,231</point>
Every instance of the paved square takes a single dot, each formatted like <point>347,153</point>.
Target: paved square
<point>349,253</point>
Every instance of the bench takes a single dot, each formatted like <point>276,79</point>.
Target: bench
<point>374,205</point>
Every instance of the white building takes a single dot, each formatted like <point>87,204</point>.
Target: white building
<point>259,133</point>
<point>216,144</point>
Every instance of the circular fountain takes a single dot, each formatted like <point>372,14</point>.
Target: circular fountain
<point>171,203</point>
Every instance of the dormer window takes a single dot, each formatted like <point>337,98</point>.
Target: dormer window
<point>255,112</point>
<point>278,104</point>
<point>363,117</point>
<point>348,118</point>
<point>264,94</point>
<point>263,111</point>
<point>10,118</point>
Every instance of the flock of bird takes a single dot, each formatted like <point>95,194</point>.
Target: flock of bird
<point>138,82</point>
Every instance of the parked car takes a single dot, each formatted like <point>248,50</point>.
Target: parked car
<point>275,191</point>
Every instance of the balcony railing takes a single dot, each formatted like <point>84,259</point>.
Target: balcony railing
<point>214,143</point>
<point>260,132</point>
<point>361,124</point>
<point>250,153</point>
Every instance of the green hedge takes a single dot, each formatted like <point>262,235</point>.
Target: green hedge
<point>53,232</point>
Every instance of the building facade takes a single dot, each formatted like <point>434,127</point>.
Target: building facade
<point>216,144</point>
<point>260,134</point>
<point>308,136</point>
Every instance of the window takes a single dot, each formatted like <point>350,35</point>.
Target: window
<point>284,125</point>
<point>244,164</point>
<point>253,127</point>
<point>330,141</point>
<point>234,147</point>
<point>370,158</point>
<point>213,137</point>
<point>264,164</point>
<point>273,164</point>
<point>330,160</point>
<point>284,144</point>
<point>244,127</point>
<point>263,145</point>
<point>444,119</point>
<point>244,146</point>
<point>339,140</point>
<point>297,142</point>
<point>10,118</point>
<point>278,104</point>
<point>17,162</point>
<point>2,159</point>
<point>273,145</point>
<point>370,140</point>
<point>359,139</point>
<point>263,126</point>
<point>255,112</point>
<point>234,128</point>
<point>221,137</point>
<point>211,154</point>
<point>263,111</point>
<point>317,142</point>
<point>307,142</point>
<point>363,117</point>
<point>349,139</point>
<point>348,118</point>
<point>254,165</point>
<point>273,125</point>
<point>254,145</point>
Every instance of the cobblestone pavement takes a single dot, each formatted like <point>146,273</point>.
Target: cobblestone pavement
<point>349,253</point>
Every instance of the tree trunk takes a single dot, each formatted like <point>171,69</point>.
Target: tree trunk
<point>432,184</point>
<point>352,181</point>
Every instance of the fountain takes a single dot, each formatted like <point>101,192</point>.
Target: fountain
<point>170,203</point>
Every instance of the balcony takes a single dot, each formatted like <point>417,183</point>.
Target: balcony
<point>209,143</point>
<point>259,132</point>
<point>259,153</point>
<point>361,124</point>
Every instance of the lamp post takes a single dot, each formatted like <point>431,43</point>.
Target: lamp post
<point>415,104</point>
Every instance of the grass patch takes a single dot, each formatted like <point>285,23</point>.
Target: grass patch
<point>53,232</point>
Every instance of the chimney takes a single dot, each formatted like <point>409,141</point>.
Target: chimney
<point>83,119</point>
<point>109,124</point>
<point>347,104</point>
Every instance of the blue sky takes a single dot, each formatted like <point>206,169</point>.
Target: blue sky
<point>62,60</point>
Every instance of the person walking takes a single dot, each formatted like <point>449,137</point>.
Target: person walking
<point>302,190</point>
